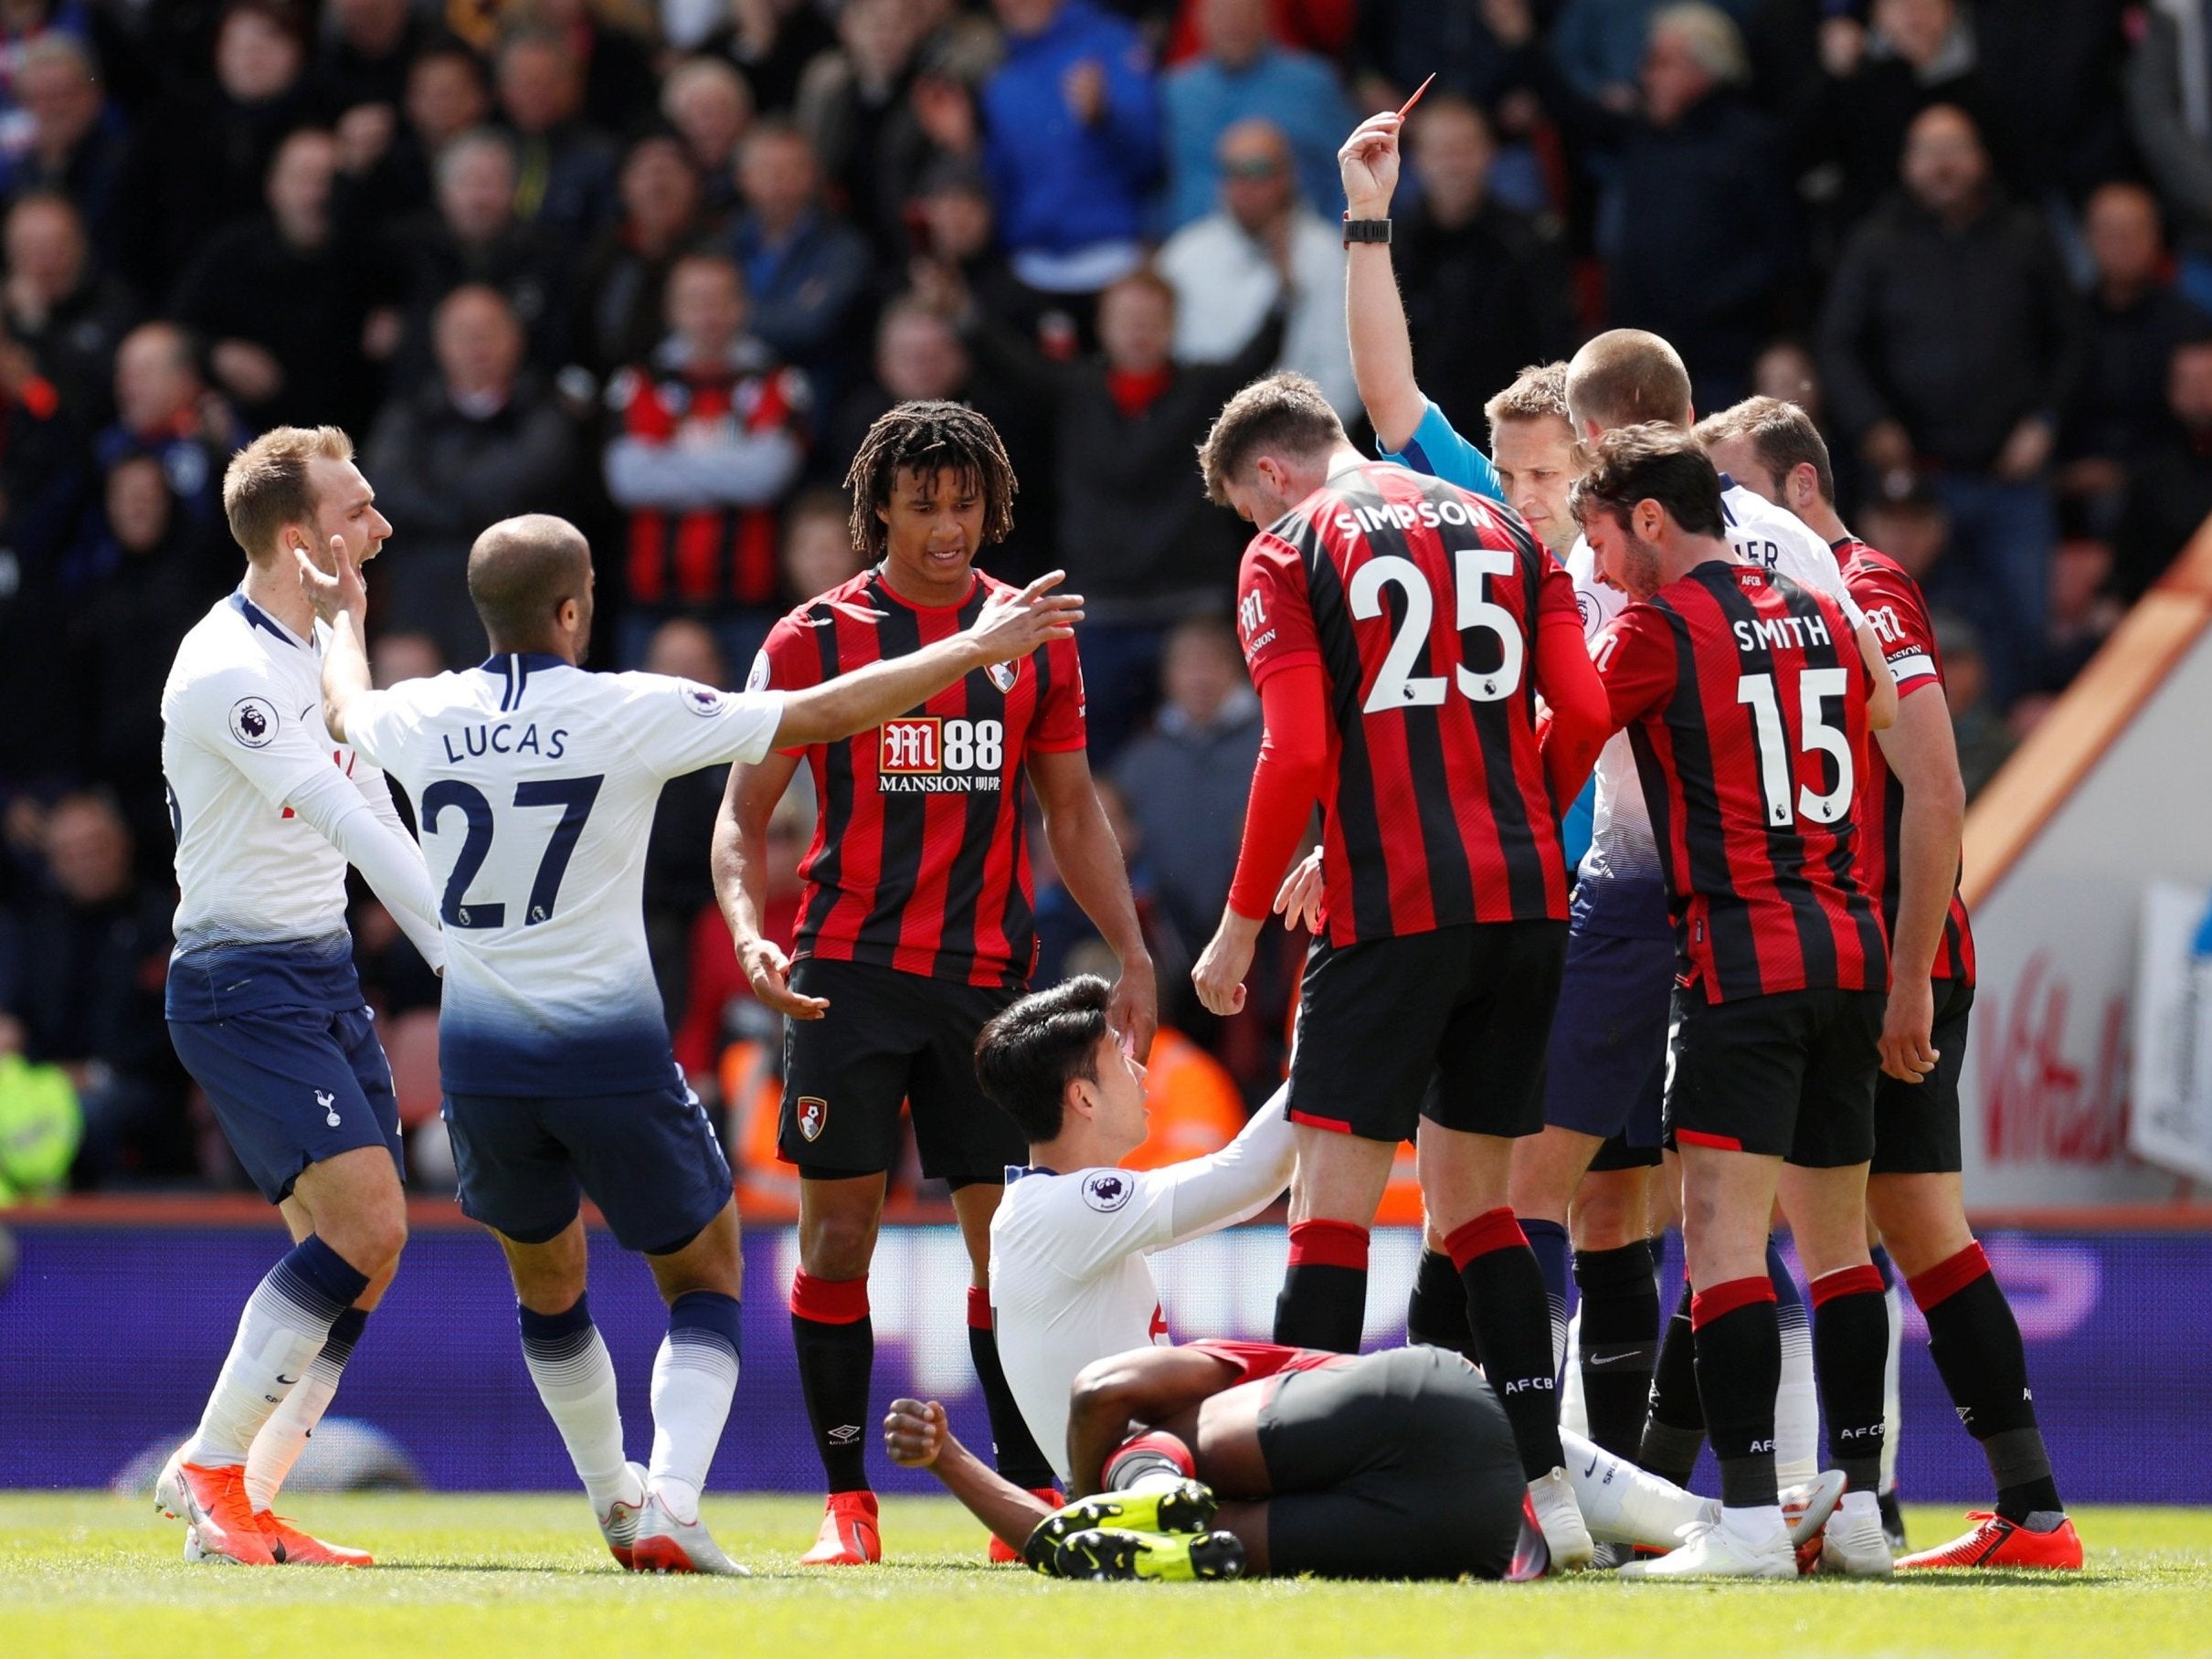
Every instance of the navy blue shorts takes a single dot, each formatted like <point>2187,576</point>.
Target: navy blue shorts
<point>1606,1072</point>
<point>650,1162</point>
<point>292,1086</point>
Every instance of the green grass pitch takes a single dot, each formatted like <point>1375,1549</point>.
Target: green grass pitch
<point>87,1573</point>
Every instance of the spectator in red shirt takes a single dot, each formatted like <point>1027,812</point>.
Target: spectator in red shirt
<point>710,435</point>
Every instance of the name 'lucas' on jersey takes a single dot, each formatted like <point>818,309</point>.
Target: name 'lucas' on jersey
<point>920,856</point>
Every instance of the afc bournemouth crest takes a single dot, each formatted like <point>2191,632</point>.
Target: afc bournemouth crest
<point>813,1113</point>
<point>1003,675</point>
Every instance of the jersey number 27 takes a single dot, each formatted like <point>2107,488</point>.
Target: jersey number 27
<point>574,796</point>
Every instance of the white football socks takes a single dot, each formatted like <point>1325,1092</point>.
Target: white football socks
<point>693,1383</point>
<point>1893,1399</point>
<point>1797,1404</point>
<point>270,1460</point>
<point>1622,1504</point>
<point>576,1379</point>
<point>281,1329</point>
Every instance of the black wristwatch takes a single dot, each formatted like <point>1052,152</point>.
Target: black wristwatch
<point>1365,230</point>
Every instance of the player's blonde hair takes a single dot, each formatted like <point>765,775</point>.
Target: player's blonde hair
<point>1538,392</point>
<point>266,486</point>
<point>1626,377</point>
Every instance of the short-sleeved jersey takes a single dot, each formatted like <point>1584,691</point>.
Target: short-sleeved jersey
<point>920,858</point>
<point>535,783</point>
<point>1437,448</point>
<point>1744,699</point>
<point>1898,613</point>
<point>1620,890</point>
<point>241,730</point>
<point>1420,603</point>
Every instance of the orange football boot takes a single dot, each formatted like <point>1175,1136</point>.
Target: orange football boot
<point>851,1534</point>
<point>1996,1542</point>
<point>293,1547</point>
<point>223,1524</point>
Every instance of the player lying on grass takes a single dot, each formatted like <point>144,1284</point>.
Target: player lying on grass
<point>1070,1279</point>
<point>1393,1466</point>
<point>552,1051</point>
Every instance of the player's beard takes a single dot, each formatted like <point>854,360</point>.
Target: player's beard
<point>1639,567</point>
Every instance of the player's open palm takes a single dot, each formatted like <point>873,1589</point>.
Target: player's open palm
<point>339,588</point>
<point>1013,625</point>
<point>768,971</point>
<point>1299,900</point>
<point>913,1433</point>
<point>1368,163</point>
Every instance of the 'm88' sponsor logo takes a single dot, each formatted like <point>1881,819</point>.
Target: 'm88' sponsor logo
<point>931,754</point>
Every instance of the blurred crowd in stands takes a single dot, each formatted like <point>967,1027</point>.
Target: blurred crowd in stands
<point>658,270</point>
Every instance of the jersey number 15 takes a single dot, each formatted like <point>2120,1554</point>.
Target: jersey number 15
<point>574,796</point>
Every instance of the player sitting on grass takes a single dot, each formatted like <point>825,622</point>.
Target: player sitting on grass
<point>1070,1281</point>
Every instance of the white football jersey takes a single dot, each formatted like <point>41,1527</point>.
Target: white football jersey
<point>1069,1278</point>
<point>1619,887</point>
<point>242,736</point>
<point>535,783</point>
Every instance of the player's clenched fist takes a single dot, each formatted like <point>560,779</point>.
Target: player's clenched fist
<point>913,1433</point>
<point>1013,625</point>
<point>768,971</point>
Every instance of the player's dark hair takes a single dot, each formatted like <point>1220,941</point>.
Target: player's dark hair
<point>521,570</point>
<point>1651,463</point>
<point>1626,377</point>
<point>1783,436</point>
<point>1028,1054</point>
<point>927,439</point>
<point>1282,413</point>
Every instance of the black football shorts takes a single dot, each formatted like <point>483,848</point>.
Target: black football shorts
<point>891,1037</point>
<point>1916,1126</point>
<point>1468,1008</point>
<point>1788,1075</point>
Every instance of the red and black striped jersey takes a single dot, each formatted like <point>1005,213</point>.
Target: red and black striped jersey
<point>920,858</point>
<point>1899,615</point>
<point>1420,603</point>
<point>1253,1361</point>
<point>1745,701</point>
<point>714,553</point>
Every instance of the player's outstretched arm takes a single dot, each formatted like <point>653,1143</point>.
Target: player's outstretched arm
<point>741,883</point>
<point>1010,626</point>
<point>1922,751</point>
<point>1235,1183</point>
<point>1097,877</point>
<point>1374,317</point>
<point>917,1436</point>
<point>341,599</point>
<point>1123,1394</point>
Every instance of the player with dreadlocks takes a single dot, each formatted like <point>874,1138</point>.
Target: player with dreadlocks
<point>916,927</point>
